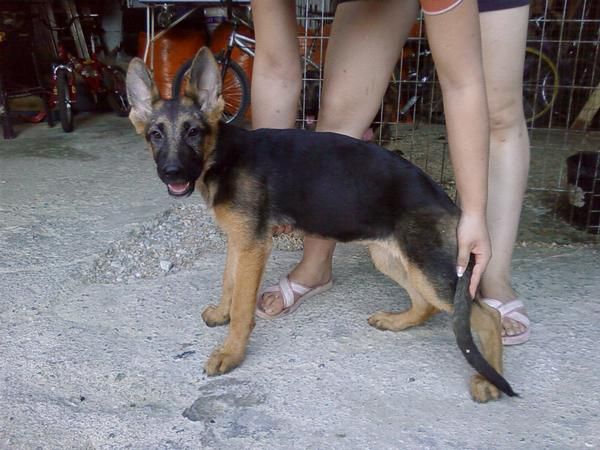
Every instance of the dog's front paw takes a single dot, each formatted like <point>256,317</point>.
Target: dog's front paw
<point>222,361</point>
<point>214,316</point>
<point>482,390</point>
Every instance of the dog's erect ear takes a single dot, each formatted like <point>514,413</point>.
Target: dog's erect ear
<point>141,93</point>
<point>204,86</point>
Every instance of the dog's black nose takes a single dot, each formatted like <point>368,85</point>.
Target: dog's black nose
<point>172,172</point>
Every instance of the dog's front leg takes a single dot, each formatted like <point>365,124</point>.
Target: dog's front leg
<point>250,260</point>
<point>219,314</point>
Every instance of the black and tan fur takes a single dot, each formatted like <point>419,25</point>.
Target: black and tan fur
<point>324,184</point>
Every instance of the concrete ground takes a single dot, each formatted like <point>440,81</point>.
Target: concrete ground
<point>119,364</point>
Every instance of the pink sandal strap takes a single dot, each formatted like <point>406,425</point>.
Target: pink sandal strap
<point>288,289</point>
<point>292,294</point>
<point>509,310</point>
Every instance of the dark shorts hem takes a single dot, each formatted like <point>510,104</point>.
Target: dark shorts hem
<point>497,5</point>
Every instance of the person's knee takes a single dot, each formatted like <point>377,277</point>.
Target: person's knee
<point>278,65</point>
<point>506,113</point>
<point>346,114</point>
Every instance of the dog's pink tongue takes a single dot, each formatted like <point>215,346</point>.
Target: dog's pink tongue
<point>178,188</point>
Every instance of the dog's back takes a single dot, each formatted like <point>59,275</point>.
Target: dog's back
<point>329,184</point>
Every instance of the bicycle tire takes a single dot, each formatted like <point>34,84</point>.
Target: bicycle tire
<point>235,89</point>
<point>540,84</point>
<point>63,100</point>
<point>114,81</point>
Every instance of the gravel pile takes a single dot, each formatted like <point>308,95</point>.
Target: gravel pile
<point>173,241</point>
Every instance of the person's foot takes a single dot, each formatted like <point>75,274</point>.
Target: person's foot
<point>515,322</point>
<point>305,281</point>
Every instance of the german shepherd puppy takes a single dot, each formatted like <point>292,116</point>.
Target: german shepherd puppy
<point>324,184</point>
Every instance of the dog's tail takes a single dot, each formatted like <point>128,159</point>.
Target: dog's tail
<point>461,322</point>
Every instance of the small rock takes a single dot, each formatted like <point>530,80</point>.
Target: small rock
<point>166,265</point>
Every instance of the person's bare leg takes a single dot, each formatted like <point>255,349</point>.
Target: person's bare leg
<point>503,35</point>
<point>364,46</point>
<point>276,74</point>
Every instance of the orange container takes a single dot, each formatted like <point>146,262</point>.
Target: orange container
<point>171,50</point>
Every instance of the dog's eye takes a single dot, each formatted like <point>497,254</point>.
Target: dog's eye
<point>193,132</point>
<point>155,135</point>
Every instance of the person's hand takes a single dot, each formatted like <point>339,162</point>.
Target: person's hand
<point>282,229</point>
<point>473,238</point>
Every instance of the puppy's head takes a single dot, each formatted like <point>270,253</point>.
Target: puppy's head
<point>181,133</point>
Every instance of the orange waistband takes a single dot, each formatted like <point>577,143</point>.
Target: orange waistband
<point>434,7</point>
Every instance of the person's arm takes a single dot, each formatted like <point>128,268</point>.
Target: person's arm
<point>455,41</point>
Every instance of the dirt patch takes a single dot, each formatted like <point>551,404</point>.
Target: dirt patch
<point>173,241</point>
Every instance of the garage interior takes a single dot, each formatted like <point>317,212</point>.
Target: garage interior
<point>103,275</point>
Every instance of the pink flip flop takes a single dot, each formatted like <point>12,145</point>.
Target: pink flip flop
<point>288,289</point>
<point>509,310</point>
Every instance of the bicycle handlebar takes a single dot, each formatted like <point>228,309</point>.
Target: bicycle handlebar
<point>237,17</point>
<point>69,23</point>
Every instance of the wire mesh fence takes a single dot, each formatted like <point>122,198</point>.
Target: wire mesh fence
<point>561,98</point>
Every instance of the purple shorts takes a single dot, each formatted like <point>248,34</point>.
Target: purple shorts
<point>441,6</point>
<point>496,5</point>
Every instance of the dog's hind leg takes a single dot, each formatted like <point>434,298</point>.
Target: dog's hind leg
<point>438,290</point>
<point>386,259</point>
<point>485,321</point>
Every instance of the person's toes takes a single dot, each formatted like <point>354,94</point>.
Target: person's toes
<point>272,303</point>
<point>512,327</point>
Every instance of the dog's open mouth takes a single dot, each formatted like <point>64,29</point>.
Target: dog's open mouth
<point>180,189</point>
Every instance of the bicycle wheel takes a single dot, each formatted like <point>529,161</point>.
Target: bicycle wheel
<point>235,89</point>
<point>63,100</point>
<point>540,84</point>
<point>114,81</point>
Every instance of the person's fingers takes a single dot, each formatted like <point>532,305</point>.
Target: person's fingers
<point>482,258</point>
<point>462,260</point>
<point>475,279</point>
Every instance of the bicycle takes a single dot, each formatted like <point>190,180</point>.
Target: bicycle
<point>16,31</point>
<point>99,78</point>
